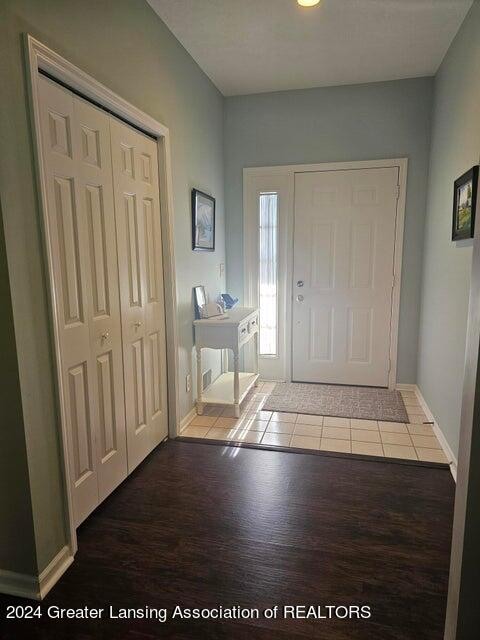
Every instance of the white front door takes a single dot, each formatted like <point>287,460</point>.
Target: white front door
<point>343,276</point>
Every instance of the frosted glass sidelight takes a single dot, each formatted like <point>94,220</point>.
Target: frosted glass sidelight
<point>268,273</point>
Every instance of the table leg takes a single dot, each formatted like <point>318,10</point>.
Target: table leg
<point>236,384</point>
<point>199,381</point>
<point>255,355</point>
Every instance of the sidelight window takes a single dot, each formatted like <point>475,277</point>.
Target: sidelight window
<point>268,273</point>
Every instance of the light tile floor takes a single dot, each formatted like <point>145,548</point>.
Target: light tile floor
<point>414,440</point>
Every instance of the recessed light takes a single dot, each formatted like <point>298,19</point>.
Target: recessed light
<point>308,3</point>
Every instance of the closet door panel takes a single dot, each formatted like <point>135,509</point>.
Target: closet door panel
<point>155,305</point>
<point>135,171</point>
<point>131,265</point>
<point>92,137</point>
<point>68,239</point>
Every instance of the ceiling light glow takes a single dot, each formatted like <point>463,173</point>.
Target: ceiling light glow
<point>308,3</point>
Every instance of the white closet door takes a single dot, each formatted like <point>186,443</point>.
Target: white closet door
<point>344,249</point>
<point>92,129</point>
<point>76,148</point>
<point>137,206</point>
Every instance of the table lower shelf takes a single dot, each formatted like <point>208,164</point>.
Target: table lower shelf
<point>221,391</point>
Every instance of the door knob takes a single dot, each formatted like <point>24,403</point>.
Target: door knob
<point>105,336</point>
<point>300,283</point>
<point>300,298</point>
<point>137,325</point>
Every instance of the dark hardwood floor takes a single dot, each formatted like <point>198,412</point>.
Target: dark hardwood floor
<point>199,525</point>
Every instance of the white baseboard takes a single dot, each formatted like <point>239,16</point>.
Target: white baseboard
<point>436,427</point>
<point>36,587</point>
<point>19,584</point>
<point>193,412</point>
<point>187,419</point>
<point>54,571</point>
<point>406,387</point>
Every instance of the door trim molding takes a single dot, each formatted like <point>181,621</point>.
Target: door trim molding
<point>40,58</point>
<point>250,239</point>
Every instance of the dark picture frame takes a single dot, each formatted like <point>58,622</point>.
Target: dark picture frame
<point>465,205</point>
<point>203,221</point>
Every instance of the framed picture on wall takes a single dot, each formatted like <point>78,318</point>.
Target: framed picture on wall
<point>464,205</point>
<point>203,221</point>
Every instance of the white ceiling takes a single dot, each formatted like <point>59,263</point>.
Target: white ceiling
<point>250,46</point>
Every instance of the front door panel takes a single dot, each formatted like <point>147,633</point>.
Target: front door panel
<point>344,244</point>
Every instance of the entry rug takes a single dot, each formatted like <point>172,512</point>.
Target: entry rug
<point>368,403</point>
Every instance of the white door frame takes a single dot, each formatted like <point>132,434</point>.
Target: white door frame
<point>285,176</point>
<point>41,58</point>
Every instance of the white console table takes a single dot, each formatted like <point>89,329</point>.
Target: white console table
<point>231,332</point>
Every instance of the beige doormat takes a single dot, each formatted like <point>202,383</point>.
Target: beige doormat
<point>368,403</point>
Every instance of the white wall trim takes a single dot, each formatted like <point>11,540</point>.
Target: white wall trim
<point>438,432</point>
<point>406,387</point>
<point>187,419</point>
<point>54,571</point>
<point>19,584</point>
<point>283,177</point>
<point>436,427</point>
<point>326,166</point>
<point>41,58</point>
<point>33,587</point>
<point>402,164</point>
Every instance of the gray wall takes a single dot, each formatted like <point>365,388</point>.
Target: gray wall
<point>360,122</point>
<point>446,268</point>
<point>17,543</point>
<point>123,44</point>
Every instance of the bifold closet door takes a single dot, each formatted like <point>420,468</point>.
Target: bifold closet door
<point>81,229</point>
<point>137,205</point>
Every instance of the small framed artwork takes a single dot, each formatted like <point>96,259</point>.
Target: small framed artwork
<point>203,221</point>
<point>464,205</point>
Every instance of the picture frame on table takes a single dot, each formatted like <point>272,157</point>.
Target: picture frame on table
<point>200,300</point>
